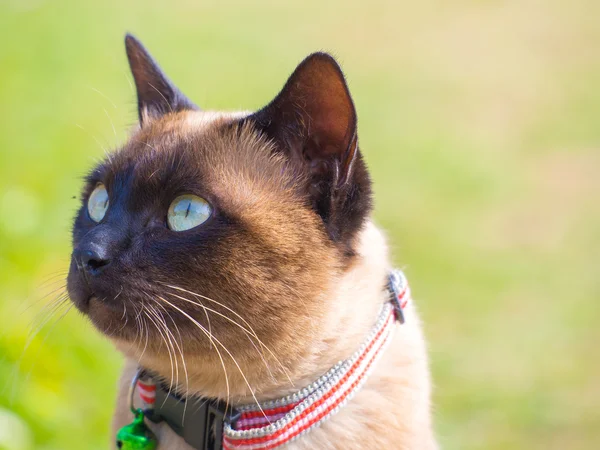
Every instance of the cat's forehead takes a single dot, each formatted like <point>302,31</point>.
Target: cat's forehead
<point>203,152</point>
<point>162,133</point>
<point>183,143</point>
<point>187,122</point>
<point>198,121</point>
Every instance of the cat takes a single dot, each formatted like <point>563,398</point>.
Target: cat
<point>233,256</point>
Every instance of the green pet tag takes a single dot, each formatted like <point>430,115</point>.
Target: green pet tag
<point>136,435</point>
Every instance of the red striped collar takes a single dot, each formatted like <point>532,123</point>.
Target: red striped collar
<point>275,423</point>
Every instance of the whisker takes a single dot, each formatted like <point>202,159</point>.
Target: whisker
<point>210,337</point>
<point>253,332</point>
<point>52,278</point>
<point>147,329</point>
<point>142,326</point>
<point>180,348</point>
<point>108,156</point>
<point>124,316</point>
<point>129,82</point>
<point>168,334</point>
<point>53,291</point>
<point>226,350</point>
<point>180,343</point>
<point>47,312</point>
<point>120,292</point>
<point>111,123</point>
<point>138,329</point>
<point>103,95</point>
<point>141,308</point>
<point>30,340</point>
<point>168,349</point>
<point>248,334</point>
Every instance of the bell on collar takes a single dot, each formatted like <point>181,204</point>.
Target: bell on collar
<point>136,435</point>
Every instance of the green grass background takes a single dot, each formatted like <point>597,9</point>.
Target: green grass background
<point>480,121</point>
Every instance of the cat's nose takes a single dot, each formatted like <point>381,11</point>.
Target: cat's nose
<point>92,260</point>
<point>98,249</point>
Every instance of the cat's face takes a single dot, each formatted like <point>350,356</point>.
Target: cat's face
<point>231,228</point>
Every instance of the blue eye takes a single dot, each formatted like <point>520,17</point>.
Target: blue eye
<point>188,211</point>
<point>98,203</point>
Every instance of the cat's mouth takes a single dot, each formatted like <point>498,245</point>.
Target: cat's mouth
<point>111,312</point>
<point>94,302</point>
<point>99,306</point>
<point>123,310</point>
<point>115,319</point>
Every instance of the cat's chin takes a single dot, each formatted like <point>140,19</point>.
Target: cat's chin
<point>111,319</point>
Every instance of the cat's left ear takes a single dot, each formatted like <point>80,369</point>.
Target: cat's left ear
<point>313,121</point>
<point>157,95</point>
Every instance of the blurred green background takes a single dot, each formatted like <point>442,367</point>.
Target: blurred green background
<point>479,120</point>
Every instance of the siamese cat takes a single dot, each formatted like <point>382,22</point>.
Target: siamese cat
<point>232,256</point>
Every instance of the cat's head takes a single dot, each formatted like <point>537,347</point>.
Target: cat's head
<point>211,229</point>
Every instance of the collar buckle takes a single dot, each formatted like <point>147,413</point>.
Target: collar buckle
<point>200,424</point>
<point>217,416</point>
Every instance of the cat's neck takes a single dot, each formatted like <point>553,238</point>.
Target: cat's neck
<point>355,301</point>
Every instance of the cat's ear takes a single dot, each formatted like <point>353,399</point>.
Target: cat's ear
<point>313,121</point>
<point>313,117</point>
<point>156,94</point>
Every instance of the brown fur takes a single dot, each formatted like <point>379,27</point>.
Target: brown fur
<point>282,281</point>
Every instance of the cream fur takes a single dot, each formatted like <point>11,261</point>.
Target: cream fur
<point>391,411</point>
<point>200,120</point>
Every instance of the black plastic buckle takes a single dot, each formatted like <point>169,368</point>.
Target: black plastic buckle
<point>217,417</point>
<point>204,421</point>
<point>397,284</point>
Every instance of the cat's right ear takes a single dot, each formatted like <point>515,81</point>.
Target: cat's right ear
<point>156,94</point>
